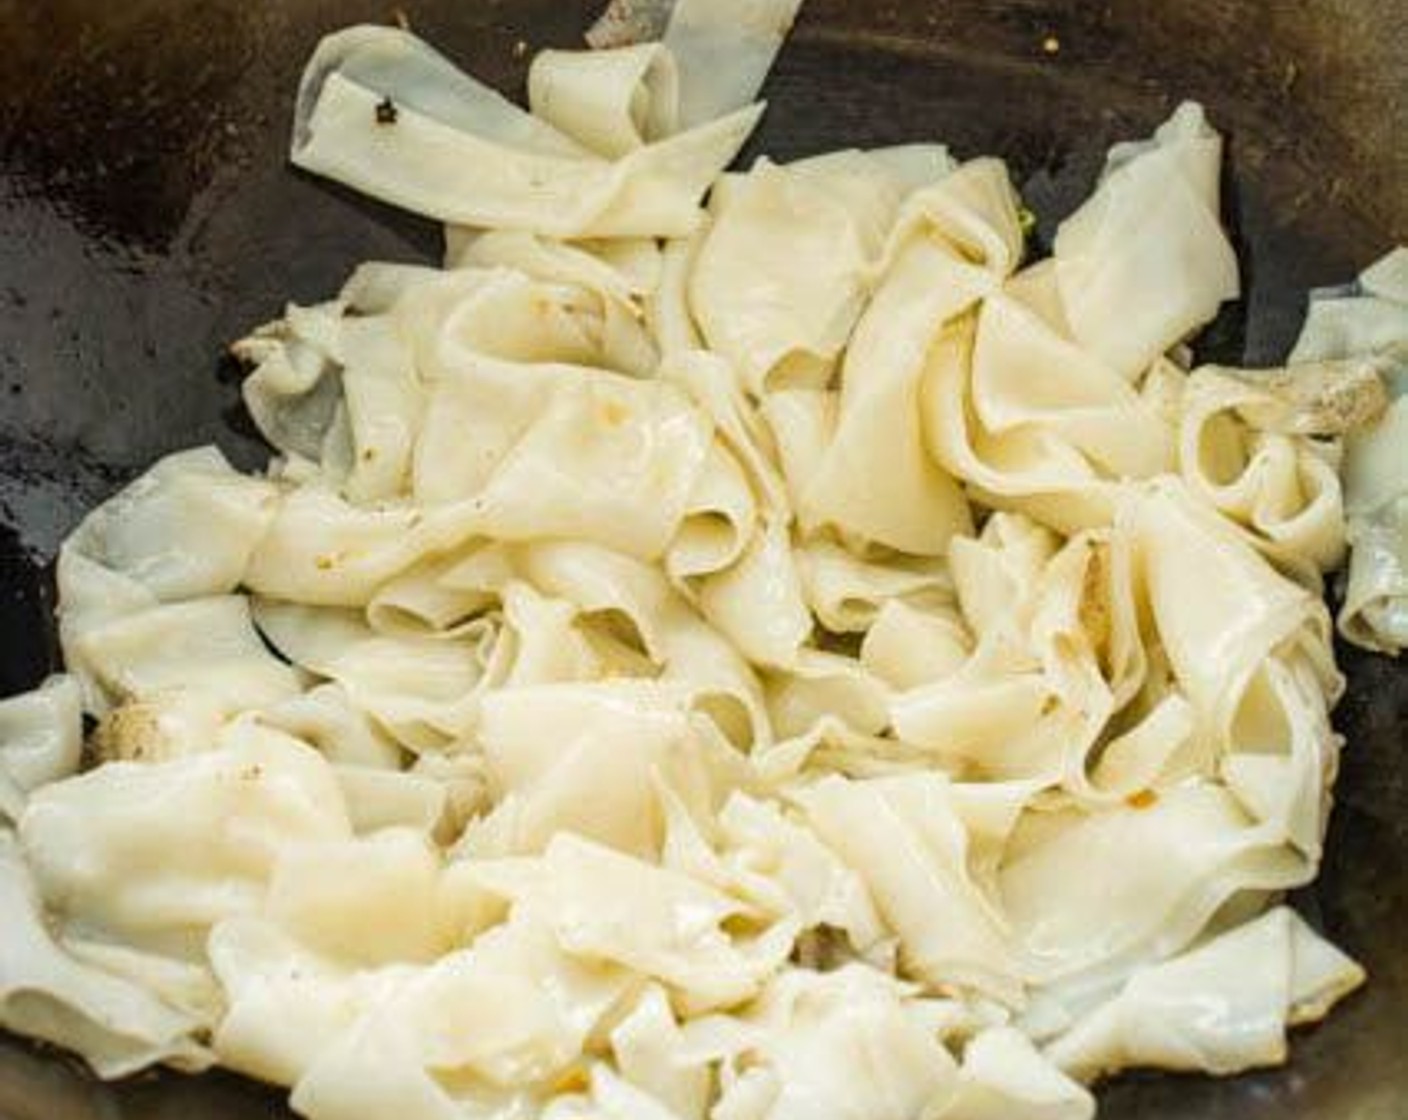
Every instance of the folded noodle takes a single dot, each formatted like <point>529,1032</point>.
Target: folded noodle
<point>1145,261</point>
<point>462,1035</point>
<point>1004,1076</point>
<point>819,1037</point>
<point>782,272</point>
<point>874,479</point>
<point>584,758</point>
<point>205,648</point>
<point>422,691</point>
<point>688,653</point>
<point>610,101</point>
<point>382,112</point>
<point>1204,847</point>
<point>1368,324</point>
<point>1282,485</point>
<point>905,837</point>
<point>651,1052</point>
<point>1222,1007</point>
<point>286,1003</point>
<point>367,902</point>
<point>605,906</point>
<point>115,1024</point>
<point>185,528</point>
<point>41,739</point>
<point>126,851</point>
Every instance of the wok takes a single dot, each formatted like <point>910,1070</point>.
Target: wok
<point>147,217</point>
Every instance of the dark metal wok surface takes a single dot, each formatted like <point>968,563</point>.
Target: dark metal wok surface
<point>147,218</point>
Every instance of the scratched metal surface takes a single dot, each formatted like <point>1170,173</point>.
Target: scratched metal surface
<point>147,217</point>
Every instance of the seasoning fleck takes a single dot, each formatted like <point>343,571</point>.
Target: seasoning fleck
<point>386,111</point>
<point>1144,799</point>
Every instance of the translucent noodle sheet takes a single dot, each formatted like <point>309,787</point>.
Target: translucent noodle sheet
<point>735,644</point>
